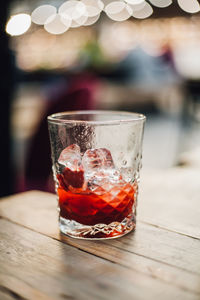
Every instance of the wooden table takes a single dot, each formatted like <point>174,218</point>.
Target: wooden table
<point>160,260</point>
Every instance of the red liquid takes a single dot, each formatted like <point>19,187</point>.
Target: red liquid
<point>89,208</point>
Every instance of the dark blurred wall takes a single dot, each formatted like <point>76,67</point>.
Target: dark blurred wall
<point>6,88</point>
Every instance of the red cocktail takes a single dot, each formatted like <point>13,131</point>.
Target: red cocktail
<point>89,208</point>
<point>90,190</point>
<point>96,159</point>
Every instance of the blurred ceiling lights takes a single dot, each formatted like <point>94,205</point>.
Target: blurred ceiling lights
<point>76,13</point>
<point>118,11</point>
<point>136,4</point>
<point>18,24</point>
<point>145,12</point>
<point>191,6</point>
<point>161,3</point>
<point>42,13</point>
<point>153,35</point>
<point>56,24</point>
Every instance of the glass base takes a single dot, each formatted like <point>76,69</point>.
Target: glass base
<point>98,231</point>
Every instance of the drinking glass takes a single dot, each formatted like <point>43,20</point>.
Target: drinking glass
<point>96,158</point>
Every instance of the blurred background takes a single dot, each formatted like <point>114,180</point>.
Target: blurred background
<point>131,55</point>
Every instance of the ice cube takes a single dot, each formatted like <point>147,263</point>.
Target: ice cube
<point>72,173</point>
<point>100,173</point>
<point>71,157</point>
<point>103,181</point>
<point>97,159</point>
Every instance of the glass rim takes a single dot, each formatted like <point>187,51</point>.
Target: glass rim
<point>134,117</point>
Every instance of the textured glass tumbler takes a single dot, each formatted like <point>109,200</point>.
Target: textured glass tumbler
<point>96,159</point>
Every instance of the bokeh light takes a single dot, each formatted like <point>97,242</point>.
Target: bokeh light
<point>55,24</point>
<point>161,3</point>
<point>143,13</point>
<point>91,20</point>
<point>136,4</point>
<point>18,24</point>
<point>190,6</point>
<point>78,22</point>
<point>123,36</point>
<point>152,35</point>
<point>31,49</point>
<point>76,13</point>
<point>72,9</point>
<point>118,11</point>
<point>106,2</point>
<point>42,13</point>
<point>93,7</point>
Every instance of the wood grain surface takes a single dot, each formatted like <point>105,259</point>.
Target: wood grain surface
<point>160,260</point>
